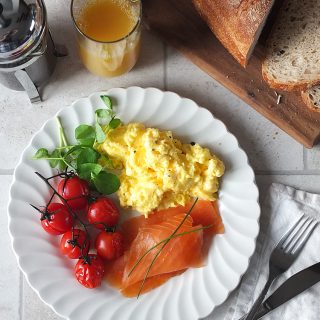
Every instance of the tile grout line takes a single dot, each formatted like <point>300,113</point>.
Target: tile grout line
<point>305,158</point>
<point>287,173</point>
<point>21,315</point>
<point>6,172</point>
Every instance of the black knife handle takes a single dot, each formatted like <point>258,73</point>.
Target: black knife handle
<point>293,286</point>
<point>263,309</point>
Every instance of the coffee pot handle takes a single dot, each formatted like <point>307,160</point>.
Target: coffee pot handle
<point>60,50</point>
<point>28,85</point>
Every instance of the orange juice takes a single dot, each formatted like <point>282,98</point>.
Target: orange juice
<point>109,41</point>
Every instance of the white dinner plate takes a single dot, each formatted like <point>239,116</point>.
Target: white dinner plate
<point>192,295</point>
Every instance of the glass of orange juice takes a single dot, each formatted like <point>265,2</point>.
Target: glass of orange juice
<point>108,34</point>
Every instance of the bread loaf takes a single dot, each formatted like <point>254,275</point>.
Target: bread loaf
<point>292,61</point>
<point>311,98</point>
<point>236,23</point>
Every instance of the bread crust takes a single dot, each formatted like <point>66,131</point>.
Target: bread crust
<point>293,86</point>
<point>236,23</point>
<point>308,102</point>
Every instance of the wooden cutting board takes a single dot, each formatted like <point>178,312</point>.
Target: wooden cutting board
<point>177,22</point>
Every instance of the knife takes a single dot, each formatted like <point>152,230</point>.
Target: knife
<point>295,285</point>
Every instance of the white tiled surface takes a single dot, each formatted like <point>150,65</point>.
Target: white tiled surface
<point>274,155</point>
<point>10,279</point>
<point>33,308</point>
<point>312,158</point>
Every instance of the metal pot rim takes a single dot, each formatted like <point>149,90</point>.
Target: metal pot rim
<point>28,58</point>
<point>24,53</point>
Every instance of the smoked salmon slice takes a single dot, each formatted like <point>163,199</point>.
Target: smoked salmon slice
<point>179,254</point>
<point>114,275</point>
<point>207,213</point>
<point>151,283</point>
<point>204,213</point>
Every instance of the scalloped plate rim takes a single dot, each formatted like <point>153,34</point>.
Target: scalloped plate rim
<point>106,92</point>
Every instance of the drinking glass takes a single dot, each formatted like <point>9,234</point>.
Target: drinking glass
<point>108,58</point>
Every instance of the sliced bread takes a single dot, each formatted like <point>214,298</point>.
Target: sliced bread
<point>236,23</point>
<point>292,59</point>
<point>311,98</point>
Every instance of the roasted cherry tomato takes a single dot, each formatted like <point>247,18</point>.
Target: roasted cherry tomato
<point>57,219</point>
<point>105,211</point>
<point>89,272</point>
<point>74,243</point>
<point>75,191</point>
<point>109,245</point>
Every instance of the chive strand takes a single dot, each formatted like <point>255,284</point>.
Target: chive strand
<point>165,243</point>
<point>149,268</point>
<point>177,228</point>
<point>158,253</point>
<point>160,250</point>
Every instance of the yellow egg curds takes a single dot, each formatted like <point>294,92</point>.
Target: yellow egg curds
<point>158,171</point>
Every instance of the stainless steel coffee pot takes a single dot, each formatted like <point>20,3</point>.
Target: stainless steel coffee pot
<point>27,51</point>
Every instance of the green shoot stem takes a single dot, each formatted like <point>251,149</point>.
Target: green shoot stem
<point>61,159</point>
<point>51,158</point>
<point>95,139</point>
<point>62,136</point>
<point>64,147</point>
<point>68,164</point>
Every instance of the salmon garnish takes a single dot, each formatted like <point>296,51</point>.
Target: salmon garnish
<point>182,252</point>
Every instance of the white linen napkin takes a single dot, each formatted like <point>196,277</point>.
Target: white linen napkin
<point>281,208</point>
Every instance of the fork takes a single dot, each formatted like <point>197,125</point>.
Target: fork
<point>283,255</point>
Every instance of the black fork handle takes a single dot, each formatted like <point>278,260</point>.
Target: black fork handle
<point>259,300</point>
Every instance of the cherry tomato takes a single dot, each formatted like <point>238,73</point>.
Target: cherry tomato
<point>75,190</point>
<point>105,211</point>
<point>90,273</point>
<point>57,219</point>
<point>72,242</point>
<point>109,245</point>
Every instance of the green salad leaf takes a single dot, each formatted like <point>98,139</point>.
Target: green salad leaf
<point>114,123</point>
<point>106,162</point>
<point>107,101</point>
<point>103,113</point>
<point>106,182</point>
<point>42,153</point>
<point>56,160</point>
<point>84,157</point>
<point>85,135</point>
<point>100,135</point>
<point>87,155</point>
<point>89,171</point>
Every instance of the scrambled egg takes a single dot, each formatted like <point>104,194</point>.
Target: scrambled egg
<point>158,171</point>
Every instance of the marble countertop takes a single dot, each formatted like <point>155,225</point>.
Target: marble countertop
<point>274,155</point>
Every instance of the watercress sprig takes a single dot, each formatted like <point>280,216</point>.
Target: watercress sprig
<point>84,157</point>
